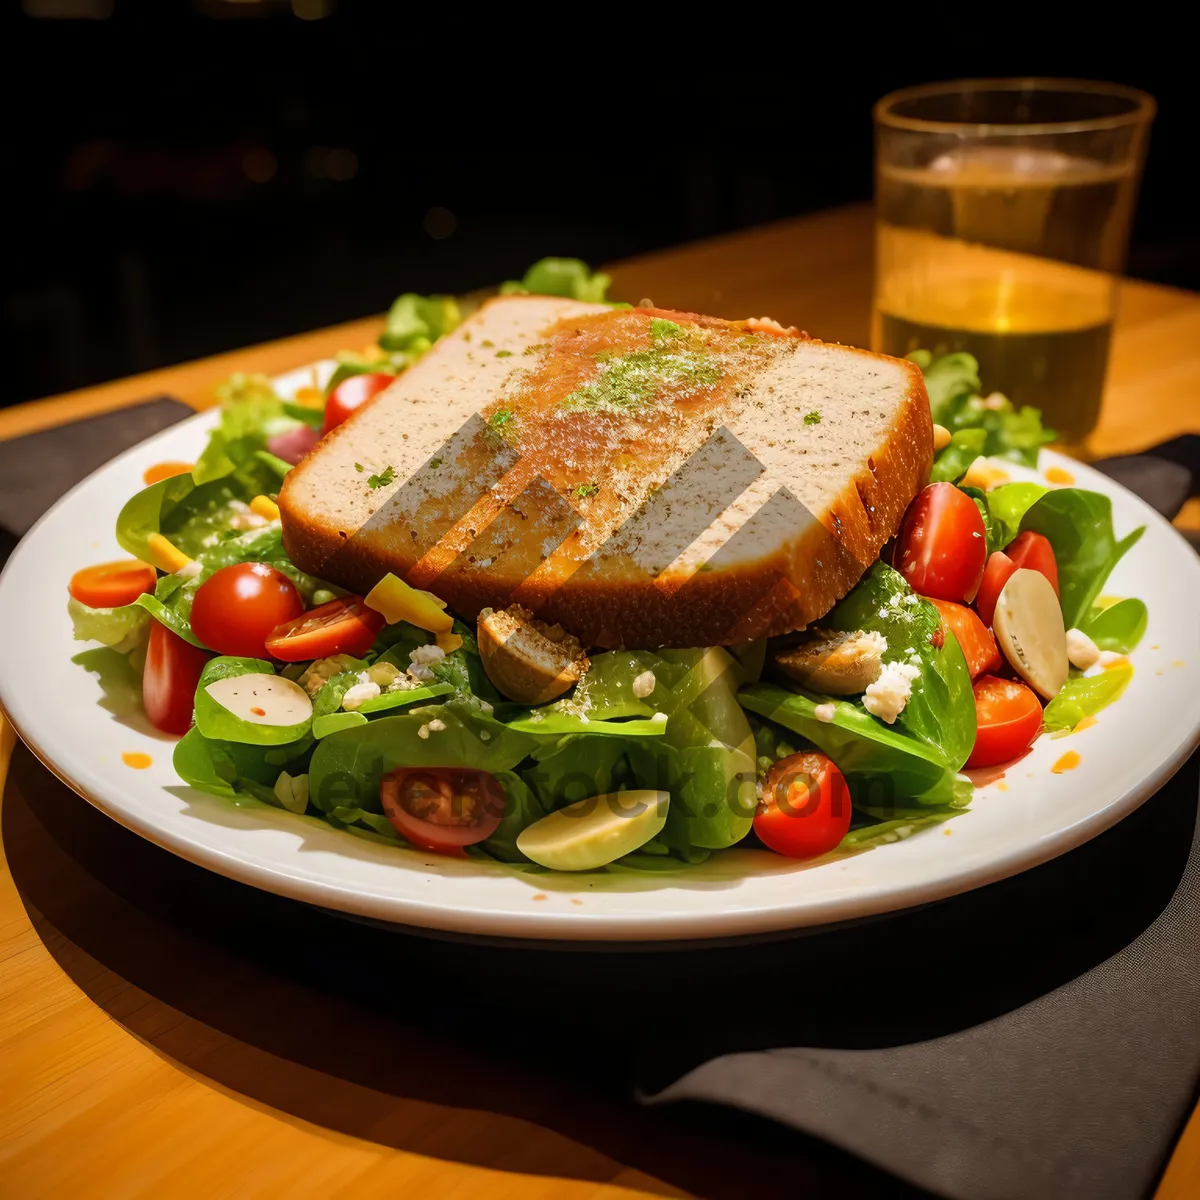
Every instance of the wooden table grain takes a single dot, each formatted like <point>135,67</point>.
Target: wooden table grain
<point>149,1045</point>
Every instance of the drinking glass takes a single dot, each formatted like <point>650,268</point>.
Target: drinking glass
<point>1003,209</point>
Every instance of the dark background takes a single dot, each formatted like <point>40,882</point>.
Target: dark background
<point>185,178</point>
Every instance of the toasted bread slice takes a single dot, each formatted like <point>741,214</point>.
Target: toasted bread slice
<point>644,478</point>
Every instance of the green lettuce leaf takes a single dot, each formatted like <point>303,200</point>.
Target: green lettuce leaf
<point>1006,506</point>
<point>568,277</point>
<point>415,322</point>
<point>121,628</point>
<point>952,382</point>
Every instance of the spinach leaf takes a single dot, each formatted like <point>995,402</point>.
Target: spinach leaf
<point>521,808</point>
<point>885,767</point>
<point>229,769</point>
<point>347,766</point>
<point>1079,526</point>
<point>1007,505</point>
<point>574,769</point>
<point>941,710</point>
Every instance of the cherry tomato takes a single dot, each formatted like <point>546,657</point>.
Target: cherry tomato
<point>942,544</point>
<point>1034,552</point>
<point>350,394</point>
<point>999,570</point>
<point>112,584</point>
<point>344,626</point>
<point>978,645</point>
<point>169,679</point>
<point>805,806</point>
<point>442,809</point>
<point>293,444</point>
<point>239,607</point>
<point>1008,717</point>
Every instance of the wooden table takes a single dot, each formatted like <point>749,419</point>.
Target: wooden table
<point>151,1042</point>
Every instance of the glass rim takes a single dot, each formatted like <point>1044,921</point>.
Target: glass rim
<point>1142,106</point>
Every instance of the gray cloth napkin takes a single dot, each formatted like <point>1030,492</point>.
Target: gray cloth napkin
<point>1077,1093</point>
<point>35,470</point>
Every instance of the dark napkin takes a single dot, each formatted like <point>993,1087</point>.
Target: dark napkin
<point>35,470</point>
<point>1078,1080</point>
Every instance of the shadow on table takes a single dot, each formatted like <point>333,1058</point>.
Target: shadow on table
<point>349,1026</point>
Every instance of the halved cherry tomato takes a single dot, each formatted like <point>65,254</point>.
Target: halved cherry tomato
<point>1008,717</point>
<point>1034,552</point>
<point>442,809</point>
<point>942,544</point>
<point>350,394</point>
<point>805,806</point>
<point>240,606</point>
<point>112,584</point>
<point>166,470</point>
<point>343,626</point>
<point>999,570</point>
<point>978,645</point>
<point>169,679</point>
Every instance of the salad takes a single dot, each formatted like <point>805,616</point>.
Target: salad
<point>981,628</point>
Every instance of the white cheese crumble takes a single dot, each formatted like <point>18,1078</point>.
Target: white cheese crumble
<point>659,718</point>
<point>437,725</point>
<point>423,658</point>
<point>190,569</point>
<point>644,684</point>
<point>423,732</point>
<point>887,696</point>
<point>826,712</point>
<point>1081,650</point>
<point>359,694</point>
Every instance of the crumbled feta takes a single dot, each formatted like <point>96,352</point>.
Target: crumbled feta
<point>437,725</point>
<point>423,732</point>
<point>826,712</point>
<point>659,718</point>
<point>644,683</point>
<point>887,696</point>
<point>359,694</point>
<point>1081,650</point>
<point>484,736</point>
<point>424,656</point>
<point>190,569</point>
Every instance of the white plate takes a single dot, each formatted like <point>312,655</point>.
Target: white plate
<point>1031,817</point>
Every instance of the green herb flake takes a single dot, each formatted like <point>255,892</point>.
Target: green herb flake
<point>500,420</point>
<point>486,344</point>
<point>584,490</point>
<point>536,347</point>
<point>631,381</point>
<point>434,463</point>
<point>359,467</point>
<point>812,418</point>
<point>662,330</point>
<point>386,476</point>
<point>504,354</point>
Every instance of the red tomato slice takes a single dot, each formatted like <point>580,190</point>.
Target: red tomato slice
<point>112,584</point>
<point>805,806</point>
<point>1034,552</point>
<point>942,544</point>
<point>352,393</point>
<point>442,809</point>
<point>1008,718</point>
<point>978,645</point>
<point>999,570</point>
<point>169,679</point>
<point>343,626</point>
<point>240,606</point>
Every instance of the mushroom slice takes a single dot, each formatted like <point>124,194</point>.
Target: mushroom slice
<point>528,660</point>
<point>839,664</point>
<point>1029,630</point>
